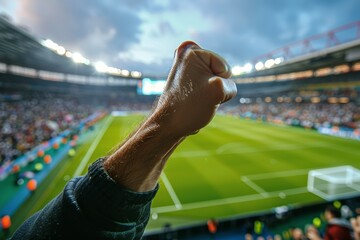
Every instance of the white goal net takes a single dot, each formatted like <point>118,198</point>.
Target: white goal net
<point>334,183</point>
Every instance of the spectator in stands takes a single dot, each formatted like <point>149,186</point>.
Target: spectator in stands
<point>298,234</point>
<point>113,200</point>
<point>33,119</point>
<point>29,119</point>
<point>307,115</point>
<point>337,228</point>
<point>212,226</point>
<point>312,232</point>
<point>248,236</point>
<point>277,237</point>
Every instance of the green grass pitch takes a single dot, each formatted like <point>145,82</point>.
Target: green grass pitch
<point>231,168</point>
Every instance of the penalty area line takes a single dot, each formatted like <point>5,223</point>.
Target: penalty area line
<point>254,186</point>
<point>92,148</point>
<point>280,174</point>
<point>231,200</point>
<point>171,191</point>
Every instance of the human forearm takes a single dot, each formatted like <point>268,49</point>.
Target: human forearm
<point>138,163</point>
<point>113,199</point>
<point>195,87</point>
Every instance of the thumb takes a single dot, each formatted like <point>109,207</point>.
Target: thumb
<point>222,89</point>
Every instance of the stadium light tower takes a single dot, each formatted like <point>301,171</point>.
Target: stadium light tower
<point>125,72</point>
<point>259,66</point>
<point>248,67</point>
<point>60,50</point>
<point>236,70</point>
<point>279,60</point>
<point>54,46</point>
<point>68,54</point>
<point>49,44</point>
<point>101,66</point>
<point>78,58</point>
<point>136,74</point>
<point>269,63</point>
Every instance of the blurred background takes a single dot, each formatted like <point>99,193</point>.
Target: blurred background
<point>77,76</point>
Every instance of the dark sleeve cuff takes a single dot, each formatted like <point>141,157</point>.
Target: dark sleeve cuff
<point>106,202</point>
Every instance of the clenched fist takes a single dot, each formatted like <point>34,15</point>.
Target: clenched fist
<point>196,85</point>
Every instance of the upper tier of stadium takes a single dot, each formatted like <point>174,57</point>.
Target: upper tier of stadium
<point>22,54</point>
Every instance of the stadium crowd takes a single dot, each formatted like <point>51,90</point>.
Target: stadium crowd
<point>308,109</point>
<point>27,121</point>
<point>338,223</point>
<point>307,115</point>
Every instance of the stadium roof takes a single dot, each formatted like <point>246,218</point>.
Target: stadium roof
<point>338,46</point>
<point>329,57</point>
<point>18,47</point>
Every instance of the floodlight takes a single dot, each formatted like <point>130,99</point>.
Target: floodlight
<point>248,67</point>
<point>259,66</point>
<point>49,44</point>
<point>68,54</point>
<point>77,57</point>
<point>60,50</point>
<point>236,70</point>
<point>136,74</point>
<point>269,63</point>
<point>279,60</point>
<point>101,67</point>
<point>112,70</point>
<point>125,72</point>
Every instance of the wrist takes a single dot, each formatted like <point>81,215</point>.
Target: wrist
<point>138,162</point>
<point>161,121</point>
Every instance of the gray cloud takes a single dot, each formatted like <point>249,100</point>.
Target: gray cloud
<point>239,30</point>
<point>95,28</point>
<point>245,29</point>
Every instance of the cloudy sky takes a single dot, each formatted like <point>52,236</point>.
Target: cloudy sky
<point>142,34</point>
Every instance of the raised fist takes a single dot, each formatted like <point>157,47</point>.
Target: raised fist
<point>196,85</point>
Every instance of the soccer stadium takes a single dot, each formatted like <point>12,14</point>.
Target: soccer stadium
<point>268,164</point>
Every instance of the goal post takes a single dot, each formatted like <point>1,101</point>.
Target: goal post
<point>334,183</point>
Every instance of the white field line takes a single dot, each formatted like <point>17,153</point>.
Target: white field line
<point>289,173</point>
<point>232,200</point>
<point>223,150</point>
<point>254,186</point>
<point>171,191</point>
<point>92,148</point>
<point>262,193</point>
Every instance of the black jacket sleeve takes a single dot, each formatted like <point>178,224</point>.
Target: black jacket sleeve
<point>91,207</point>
